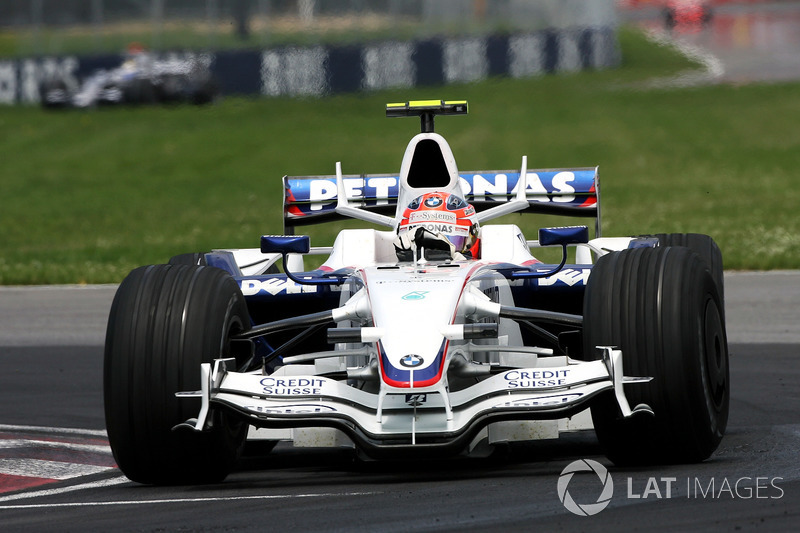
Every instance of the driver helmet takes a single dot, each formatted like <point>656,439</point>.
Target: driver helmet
<point>445,214</point>
<point>134,49</point>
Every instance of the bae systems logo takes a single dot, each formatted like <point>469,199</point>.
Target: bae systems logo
<point>585,509</point>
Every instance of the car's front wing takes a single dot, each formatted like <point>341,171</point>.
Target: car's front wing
<point>430,416</point>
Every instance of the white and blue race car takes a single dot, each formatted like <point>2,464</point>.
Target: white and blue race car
<point>142,78</point>
<point>439,334</point>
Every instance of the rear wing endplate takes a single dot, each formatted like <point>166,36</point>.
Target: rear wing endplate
<point>567,192</point>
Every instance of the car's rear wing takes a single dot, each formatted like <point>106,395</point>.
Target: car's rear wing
<point>569,192</point>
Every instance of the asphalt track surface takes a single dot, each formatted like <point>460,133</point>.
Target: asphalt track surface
<point>57,474</point>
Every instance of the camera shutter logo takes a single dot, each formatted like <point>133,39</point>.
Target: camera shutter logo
<point>585,509</point>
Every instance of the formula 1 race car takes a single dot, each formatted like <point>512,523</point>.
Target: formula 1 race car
<point>441,335</point>
<point>140,79</point>
<point>687,14</point>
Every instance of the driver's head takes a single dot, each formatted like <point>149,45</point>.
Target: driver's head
<point>445,214</point>
<point>134,49</point>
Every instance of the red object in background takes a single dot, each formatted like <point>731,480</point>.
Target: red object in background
<point>636,4</point>
<point>686,13</point>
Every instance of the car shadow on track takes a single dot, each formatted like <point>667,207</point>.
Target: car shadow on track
<point>548,456</point>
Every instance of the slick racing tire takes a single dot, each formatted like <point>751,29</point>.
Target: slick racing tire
<point>702,245</point>
<point>165,321</point>
<point>662,308</point>
<point>140,91</point>
<point>54,94</point>
<point>172,88</point>
<point>206,91</point>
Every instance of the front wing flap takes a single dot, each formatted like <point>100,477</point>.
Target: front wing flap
<point>412,416</point>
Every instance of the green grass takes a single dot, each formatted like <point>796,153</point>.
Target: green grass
<point>281,30</point>
<point>54,42</point>
<point>87,196</point>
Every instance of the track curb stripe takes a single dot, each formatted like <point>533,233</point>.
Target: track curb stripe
<point>32,456</point>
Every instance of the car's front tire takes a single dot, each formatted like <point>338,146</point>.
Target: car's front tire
<point>165,321</point>
<point>662,307</point>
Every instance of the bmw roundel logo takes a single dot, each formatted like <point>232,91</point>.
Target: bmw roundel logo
<point>433,201</point>
<point>411,361</point>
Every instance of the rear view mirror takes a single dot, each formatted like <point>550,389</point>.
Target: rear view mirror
<point>285,244</point>
<point>556,236</point>
<point>564,235</point>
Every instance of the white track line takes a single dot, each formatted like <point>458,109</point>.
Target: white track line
<point>29,443</point>
<point>60,431</point>
<point>184,500</point>
<point>712,68</point>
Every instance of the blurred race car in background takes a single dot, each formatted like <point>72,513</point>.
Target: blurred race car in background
<point>142,78</point>
<point>687,14</point>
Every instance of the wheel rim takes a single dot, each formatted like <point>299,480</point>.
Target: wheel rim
<point>716,357</point>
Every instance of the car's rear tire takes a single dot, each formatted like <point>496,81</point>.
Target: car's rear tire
<point>140,91</point>
<point>165,321</point>
<point>206,91</point>
<point>54,94</point>
<point>662,307</point>
<point>705,247</point>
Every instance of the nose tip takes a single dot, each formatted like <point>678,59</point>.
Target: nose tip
<point>411,361</point>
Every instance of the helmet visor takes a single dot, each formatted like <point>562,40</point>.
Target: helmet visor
<point>460,242</point>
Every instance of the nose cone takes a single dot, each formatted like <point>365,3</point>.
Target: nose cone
<point>412,310</point>
<point>413,370</point>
